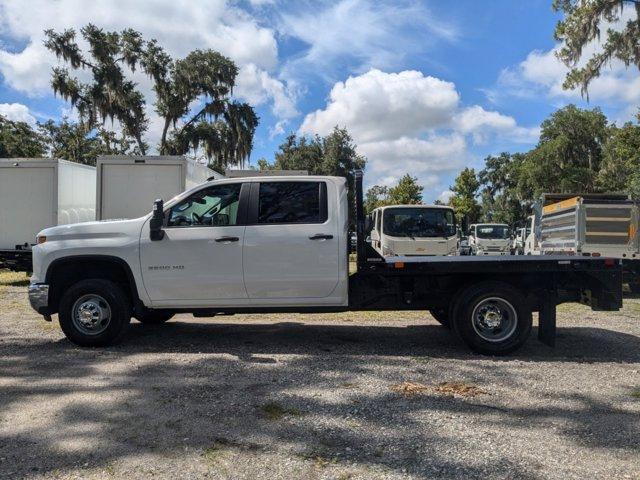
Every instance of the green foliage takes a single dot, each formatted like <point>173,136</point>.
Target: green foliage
<point>406,192</point>
<point>465,190</point>
<point>621,158</point>
<point>73,142</point>
<point>222,127</point>
<point>568,156</point>
<point>581,26</point>
<point>19,139</point>
<point>500,200</point>
<point>376,196</point>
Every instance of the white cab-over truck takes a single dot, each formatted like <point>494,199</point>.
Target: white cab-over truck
<point>413,230</point>
<point>280,244</point>
<point>490,239</point>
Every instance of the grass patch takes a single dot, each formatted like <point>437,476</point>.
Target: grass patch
<point>460,389</point>
<point>635,392</point>
<point>275,411</point>
<point>213,453</point>
<point>409,389</point>
<point>13,279</point>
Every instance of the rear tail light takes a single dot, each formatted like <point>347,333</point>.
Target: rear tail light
<point>609,262</point>
<point>41,239</point>
<point>595,254</point>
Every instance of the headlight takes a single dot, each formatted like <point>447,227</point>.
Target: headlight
<point>40,239</point>
<point>386,251</point>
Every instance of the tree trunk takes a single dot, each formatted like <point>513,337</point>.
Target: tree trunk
<point>163,139</point>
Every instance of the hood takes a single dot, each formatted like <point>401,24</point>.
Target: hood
<point>100,229</point>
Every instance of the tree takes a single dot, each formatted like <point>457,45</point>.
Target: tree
<point>500,200</point>
<point>376,196</point>
<point>621,158</point>
<point>221,127</point>
<point>465,190</point>
<point>581,26</point>
<point>568,156</point>
<point>406,192</point>
<point>19,139</point>
<point>73,142</point>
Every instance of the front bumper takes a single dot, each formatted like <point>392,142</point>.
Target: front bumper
<point>39,297</point>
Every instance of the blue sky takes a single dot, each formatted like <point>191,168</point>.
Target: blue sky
<point>425,87</point>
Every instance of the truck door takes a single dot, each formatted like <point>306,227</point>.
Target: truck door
<point>199,260</point>
<point>291,244</point>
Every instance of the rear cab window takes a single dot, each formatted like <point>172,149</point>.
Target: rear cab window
<point>295,202</point>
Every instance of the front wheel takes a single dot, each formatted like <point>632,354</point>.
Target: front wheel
<point>94,313</point>
<point>492,318</point>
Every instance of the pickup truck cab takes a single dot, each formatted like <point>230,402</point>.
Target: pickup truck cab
<point>414,230</point>
<point>280,244</point>
<point>490,239</point>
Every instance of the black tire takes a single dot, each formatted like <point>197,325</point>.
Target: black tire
<point>502,305</point>
<point>442,316</point>
<point>153,317</point>
<point>104,295</point>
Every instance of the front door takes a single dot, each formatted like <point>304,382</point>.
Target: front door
<point>291,244</point>
<point>199,260</point>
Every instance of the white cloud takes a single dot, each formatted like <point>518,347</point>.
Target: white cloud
<point>482,123</point>
<point>257,86</point>
<point>17,112</point>
<point>379,105</point>
<point>180,26</point>
<point>445,196</point>
<point>541,75</point>
<point>407,122</point>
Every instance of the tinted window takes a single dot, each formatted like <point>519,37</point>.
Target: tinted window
<point>214,207</point>
<point>290,202</point>
<point>492,231</point>
<point>419,222</point>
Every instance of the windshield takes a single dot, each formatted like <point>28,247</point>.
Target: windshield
<point>492,231</point>
<point>419,222</point>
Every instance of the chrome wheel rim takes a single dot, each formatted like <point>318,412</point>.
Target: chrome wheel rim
<point>91,314</point>
<point>494,319</point>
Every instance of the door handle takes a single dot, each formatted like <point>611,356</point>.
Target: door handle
<point>227,239</point>
<point>320,236</point>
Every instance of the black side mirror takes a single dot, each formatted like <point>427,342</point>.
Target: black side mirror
<point>367,223</point>
<point>157,221</point>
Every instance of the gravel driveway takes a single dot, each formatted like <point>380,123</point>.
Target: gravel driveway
<point>340,396</point>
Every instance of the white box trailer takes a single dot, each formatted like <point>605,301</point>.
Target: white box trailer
<point>128,185</point>
<point>36,193</point>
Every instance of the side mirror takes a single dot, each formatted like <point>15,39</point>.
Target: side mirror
<point>367,223</point>
<point>375,236</point>
<point>157,220</point>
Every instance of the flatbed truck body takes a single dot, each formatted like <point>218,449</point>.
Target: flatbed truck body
<point>254,245</point>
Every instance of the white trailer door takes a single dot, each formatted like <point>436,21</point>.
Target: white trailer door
<point>129,189</point>
<point>28,203</point>
<point>291,244</point>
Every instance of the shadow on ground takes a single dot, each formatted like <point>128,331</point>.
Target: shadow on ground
<point>215,391</point>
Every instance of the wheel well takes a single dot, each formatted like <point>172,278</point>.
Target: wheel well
<point>63,273</point>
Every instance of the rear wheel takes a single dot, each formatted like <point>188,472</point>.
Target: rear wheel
<point>492,318</point>
<point>94,313</point>
<point>441,315</point>
<point>153,317</point>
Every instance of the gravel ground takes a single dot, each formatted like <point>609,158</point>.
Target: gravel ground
<point>339,396</point>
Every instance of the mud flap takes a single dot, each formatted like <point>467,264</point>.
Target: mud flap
<point>547,320</point>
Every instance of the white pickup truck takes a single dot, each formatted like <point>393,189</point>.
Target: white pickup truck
<point>280,244</point>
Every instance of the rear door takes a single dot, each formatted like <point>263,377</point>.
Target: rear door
<point>29,201</point>
<point>291,243</point>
